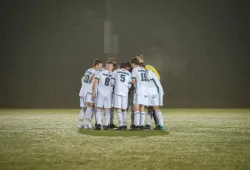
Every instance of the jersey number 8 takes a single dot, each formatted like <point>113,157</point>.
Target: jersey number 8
<point>107,80</point>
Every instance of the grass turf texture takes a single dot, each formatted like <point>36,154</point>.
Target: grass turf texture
<point>197,139</point>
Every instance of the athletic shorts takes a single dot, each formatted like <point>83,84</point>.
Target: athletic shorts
<point>155,100</point>
<point>120,102</point>
<point>104,99</point>
<point>89,98</point>
<point>82,102</point>
<point>140,99</point>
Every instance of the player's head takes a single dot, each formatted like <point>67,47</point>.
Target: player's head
<point>123,65</point>
<point>140,58</point>
<point>98,64</point>
<point>110,65</point>
<point>142,65</point>
<point>128,65</point>
<point>135,62</point>
<point>112,60</point>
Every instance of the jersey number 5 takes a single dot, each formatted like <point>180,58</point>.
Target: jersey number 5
<point>107,80</point>
<point>122,78</point>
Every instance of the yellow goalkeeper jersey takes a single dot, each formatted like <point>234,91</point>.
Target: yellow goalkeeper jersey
<point>149,67</point>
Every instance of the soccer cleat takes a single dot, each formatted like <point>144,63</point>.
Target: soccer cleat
<point>132,126</point>
<point>138,128</point>
<point>112,126</point>
<point>80,127</point>
<point>163,128</point>
<point>98,127</point>
<point>120,128</point>
<point>125,127</point>
<point>147,127</point>
<point>105,127</point>
<point>158,127</point>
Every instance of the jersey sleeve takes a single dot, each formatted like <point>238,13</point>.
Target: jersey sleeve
<point>113,78</point>
<point>97,76</point>
<point>134,73</point>
<point>130,81</point>
<point>149,67</point>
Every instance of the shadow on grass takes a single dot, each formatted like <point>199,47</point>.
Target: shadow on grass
<point>114,133</point>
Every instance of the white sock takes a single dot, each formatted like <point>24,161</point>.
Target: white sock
<point>81,116</point>
<point>132,117</point>
<point>137,118</point>
<point>88,116</point>
<point>159,117</point>
<point>111,116</point>
<point>119,117</point>
<point>124,116</point>
<point>99,117</point>
<point>149,117</point>
<point>142,118</point>
<point>107,117</point>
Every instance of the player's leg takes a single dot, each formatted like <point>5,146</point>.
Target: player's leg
<point>99,106</point>
<point>158,112</point>
<point>107,105</point>
<point>112,114</point>
<point>142,117</point>
<point>124,105</point>
<point>137,111</point>
<point>117,105</point>
<point>89,112</point>
<point>81,114</point>
<point>149,118</point>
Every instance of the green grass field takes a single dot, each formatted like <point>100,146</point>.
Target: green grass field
<point>196,139</point>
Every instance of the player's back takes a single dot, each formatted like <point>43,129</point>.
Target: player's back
<point>104,78</point>
<point>122,79</point>
<point>154,85</point>
<point>141,77</point>
<point>85,81</point>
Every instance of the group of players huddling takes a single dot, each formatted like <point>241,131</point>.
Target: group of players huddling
<point>108,89</point>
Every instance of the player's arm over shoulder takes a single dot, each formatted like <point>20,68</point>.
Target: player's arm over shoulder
<point>149,67</point>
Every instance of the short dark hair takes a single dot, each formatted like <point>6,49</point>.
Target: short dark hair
<point>135,61</point>
<point>128,64</point>
<point>123,65</point>
<point>96,62</point>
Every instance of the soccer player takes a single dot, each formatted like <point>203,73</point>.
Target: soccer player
<point>140,82</point>
<point>151,112</point>
<point>155,97</point>
<point>121,80</point>
<point>103,87</point>
<point>116,66</point>
<point>86,93</point>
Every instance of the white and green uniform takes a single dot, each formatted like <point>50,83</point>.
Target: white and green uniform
<point>85,86</point>
<point>121,79</point>
<point>104,89</point>
<point>155,90</point>
<point>141,91</point>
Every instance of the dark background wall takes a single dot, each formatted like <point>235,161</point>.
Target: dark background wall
<point>200,47</point>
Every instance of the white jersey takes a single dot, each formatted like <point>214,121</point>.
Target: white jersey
<point>141,77</point>
<point>104,78</point>
<point>85,81</point>
<point>154,85</point>
<point>122,81</point>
